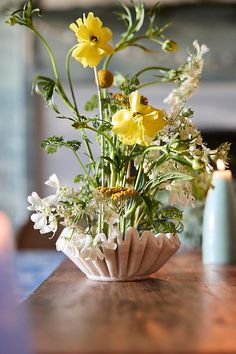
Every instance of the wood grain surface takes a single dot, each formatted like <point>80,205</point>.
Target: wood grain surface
<point>184,308</point>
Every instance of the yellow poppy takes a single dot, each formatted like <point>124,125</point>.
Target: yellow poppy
<point>139,124</point>
<point>93,40</point>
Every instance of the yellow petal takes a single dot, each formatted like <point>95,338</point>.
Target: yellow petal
<point>138,125</point>
<point>87,54</point>
<point>107,48</point>
<point>106,34</point>
<point>153,126</point>
<point>121,117</point>
<point>83,34</point>
<point>79,22</point>
<point>127,129</point>
<point>92,23</point>
<point>134,100</point>
<point>73,27</point>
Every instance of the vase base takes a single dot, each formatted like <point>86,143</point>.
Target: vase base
<point>118,279</point>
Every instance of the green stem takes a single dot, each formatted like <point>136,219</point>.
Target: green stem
<point>185,161</point>
<point>49,52</point>
<point>141,163</point>
<point>159,161</point>
<point>86,142</point>
<point>131,210</point>
<point>107,61</point>
<point>139,173</point>
<point>69,77</point>
<point>101,211</point>
<point>84,135</point>
<point>84,169</point>
<point>58,82</point>
<point>103,134</point>
<point>151,68</point>
<point>101,119</point>
<point>150,83</point>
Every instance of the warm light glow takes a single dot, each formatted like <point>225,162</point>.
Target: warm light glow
<point>220,165</point>
<point>6,243</point>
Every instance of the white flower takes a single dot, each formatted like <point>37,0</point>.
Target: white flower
<point>43,219</point>
<point>93,246</point>
<point>53,182</point>
<point>44,223</point>
<point>89,247</point>
<point>201,50</point>
<point>69,239</point>
<point>38,203</point>
<point>35,201</point>
<point>189,78</point>
<point>91,251</point>
<point>40,221</point>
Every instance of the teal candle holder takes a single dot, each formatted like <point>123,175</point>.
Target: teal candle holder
<point>219,221</point>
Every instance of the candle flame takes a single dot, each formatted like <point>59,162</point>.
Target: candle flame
<point>220,165</point>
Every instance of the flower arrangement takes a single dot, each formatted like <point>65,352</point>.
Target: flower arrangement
<point>144,150</point>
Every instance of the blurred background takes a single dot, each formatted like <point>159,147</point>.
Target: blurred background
<point>25,120</point>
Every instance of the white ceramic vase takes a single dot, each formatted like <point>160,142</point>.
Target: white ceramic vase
<point>136,257</point>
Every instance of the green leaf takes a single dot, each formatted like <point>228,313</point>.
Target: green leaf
<point>72,144</point>
<point>149,207</point>
<point>170,213</point>
<point>112,162</point>
<point>141,182</point>
<point>165,227</point>
<point>105,126</point>
<point>45,87</point>
<point>165,177</point>
<point>153,12</point>
<point>78,178</point>
<point>140,15</point>
<point>169,220</point>
<point>24,15</point>
<point>52,144</point>
<point>92,104</point>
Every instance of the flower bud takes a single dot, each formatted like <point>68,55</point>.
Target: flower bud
<point>169,46</point>
<point>11,21</point>
<point>105,78</point>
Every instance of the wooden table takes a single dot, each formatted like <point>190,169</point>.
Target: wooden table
<point>184,308</point>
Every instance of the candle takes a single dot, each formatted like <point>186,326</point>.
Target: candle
<point>221,172</point>
<point>219,219</point>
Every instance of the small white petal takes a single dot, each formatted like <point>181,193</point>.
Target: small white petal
<point>50,200</point>
<point>196,45</point>
<point>41,223</point>
<point>36,217</point>
<point>204,49</point>
<point>32,208</point>
<point>53,181</point>
<point>34,199</point>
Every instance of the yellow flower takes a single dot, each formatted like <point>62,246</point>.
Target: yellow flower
<point>139,124</point>
<point>93,40</point>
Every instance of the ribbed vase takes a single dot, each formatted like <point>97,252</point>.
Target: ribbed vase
<point>136,257</point>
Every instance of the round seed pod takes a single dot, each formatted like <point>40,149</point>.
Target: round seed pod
<point>105,78</point>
